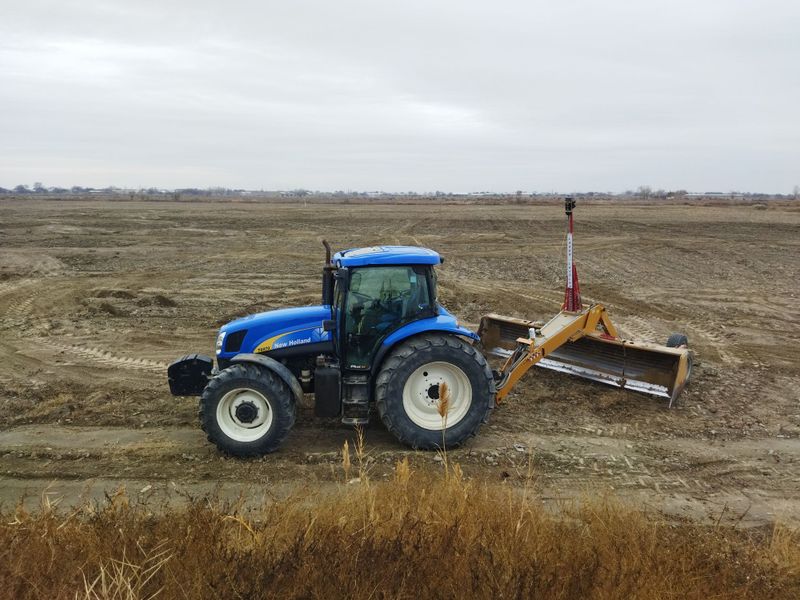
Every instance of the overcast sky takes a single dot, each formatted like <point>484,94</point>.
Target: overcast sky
<point>414,95</point>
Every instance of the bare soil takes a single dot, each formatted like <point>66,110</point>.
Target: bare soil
<point>97,297</point>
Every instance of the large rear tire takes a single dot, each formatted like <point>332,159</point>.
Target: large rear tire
<point>246,410</point>
<point>407,391</point>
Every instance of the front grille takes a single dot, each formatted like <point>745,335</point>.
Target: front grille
<point>233,341</point>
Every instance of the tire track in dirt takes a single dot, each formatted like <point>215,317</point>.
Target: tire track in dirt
<point>18,312</point>
<point>544,297</point>
<point>729,353</point>
<point>404,229</point>
<point>9,287</point>
<point>696,470</point>
<point>106,358</point>
<point>554,298</point>
<point>637,328</point>
<point>42,271</point>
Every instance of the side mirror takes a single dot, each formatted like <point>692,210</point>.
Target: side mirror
<point>329,325</point>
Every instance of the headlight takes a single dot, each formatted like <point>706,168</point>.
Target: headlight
<point>220,341</point>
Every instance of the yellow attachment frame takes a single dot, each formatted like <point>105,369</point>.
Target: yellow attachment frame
<point>585,344</point>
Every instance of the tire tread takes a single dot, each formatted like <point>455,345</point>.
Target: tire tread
<point>284,410</point>
<point>392,368</point>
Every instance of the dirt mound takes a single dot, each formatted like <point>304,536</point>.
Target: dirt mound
<point>16,262</point>
<point>157,300</point>
<point>114,293</point>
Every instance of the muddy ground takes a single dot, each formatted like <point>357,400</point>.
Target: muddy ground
<point>96,297</point>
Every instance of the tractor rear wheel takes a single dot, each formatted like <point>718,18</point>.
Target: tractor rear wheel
<point>409,386</point>
<point>246,410</point>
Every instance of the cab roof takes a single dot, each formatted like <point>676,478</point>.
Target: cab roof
<point>386,255</point>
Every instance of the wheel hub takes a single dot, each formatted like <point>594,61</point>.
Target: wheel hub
<point>246,412</point>
<point>422,395</point>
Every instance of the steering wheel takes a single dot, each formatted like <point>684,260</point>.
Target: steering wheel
<point>360,300</point>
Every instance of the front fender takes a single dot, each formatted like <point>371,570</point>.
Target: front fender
<point>273,365</point>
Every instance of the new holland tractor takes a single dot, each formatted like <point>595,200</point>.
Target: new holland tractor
<point>380,341</point>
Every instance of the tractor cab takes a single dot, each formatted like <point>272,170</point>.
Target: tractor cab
<point>375,291</point>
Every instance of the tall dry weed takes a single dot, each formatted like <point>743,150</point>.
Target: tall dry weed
<point>443,409</point>
<point>419,535</point>
<point>346,464</point>
<point>126,579</point>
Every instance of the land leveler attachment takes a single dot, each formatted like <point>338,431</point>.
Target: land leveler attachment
<point>583,342</point>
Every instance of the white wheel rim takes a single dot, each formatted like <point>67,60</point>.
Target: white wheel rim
<point>230,410</point>
<point>420,395</point>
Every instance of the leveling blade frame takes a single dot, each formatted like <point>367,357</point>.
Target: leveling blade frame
<point>580,344</point>
<point>583,342</point>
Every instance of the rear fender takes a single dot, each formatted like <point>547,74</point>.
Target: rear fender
<point>441,324</point>
<point>276,367</point>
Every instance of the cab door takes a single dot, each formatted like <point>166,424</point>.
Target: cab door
<point>340,283</point>
<point>379,300</point>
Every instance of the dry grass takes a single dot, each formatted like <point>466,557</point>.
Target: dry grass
<point>418,536</point>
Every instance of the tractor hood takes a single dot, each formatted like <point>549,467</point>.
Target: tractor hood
<point>273,330</point>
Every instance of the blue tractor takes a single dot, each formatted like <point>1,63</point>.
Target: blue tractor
<point>381,339</point>
<point>378,339</point>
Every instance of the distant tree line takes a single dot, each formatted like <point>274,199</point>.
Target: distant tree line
<point>40,189</point>
<point>643,192</point>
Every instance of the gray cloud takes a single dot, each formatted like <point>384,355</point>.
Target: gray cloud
<point>449,95</point>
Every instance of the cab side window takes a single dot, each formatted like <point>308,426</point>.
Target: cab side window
<point>378,300</point>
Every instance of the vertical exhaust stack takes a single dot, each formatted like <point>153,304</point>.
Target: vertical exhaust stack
<point>327,276</point>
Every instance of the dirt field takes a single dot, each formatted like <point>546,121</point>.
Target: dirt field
<point>96,298</point>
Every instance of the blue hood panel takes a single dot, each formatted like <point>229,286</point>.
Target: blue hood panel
<point>280,328</point>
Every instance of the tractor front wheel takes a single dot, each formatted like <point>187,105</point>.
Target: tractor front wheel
<point>246,410</point>
<point>409,391</point>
